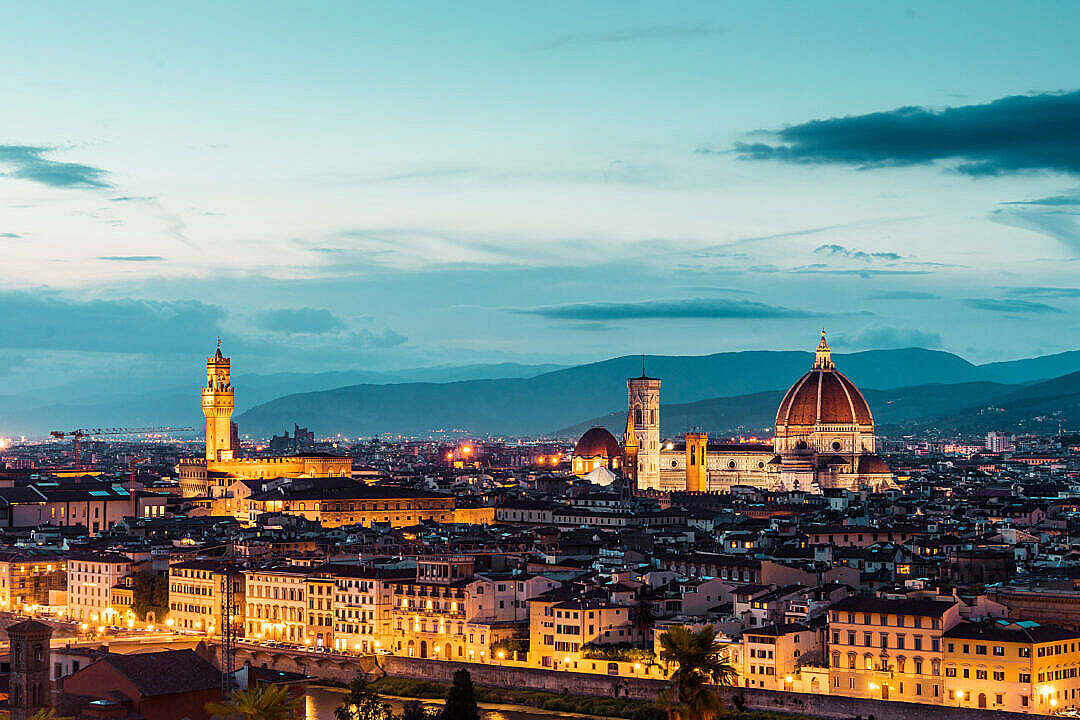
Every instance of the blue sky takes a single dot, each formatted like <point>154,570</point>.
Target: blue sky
<point>335,185</point>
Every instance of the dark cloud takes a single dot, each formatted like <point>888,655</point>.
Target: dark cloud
<point>28,162</point>
<point>299,321</point>
<point>631,35</point>
<point>131,258</point>
<point>40,320</point>
<point>884,336</point>
<point>715,308</point>
<point>820,269</point>
<point>1052,201</point>
<point>840,250</point>
<point>1013,134</point>
<point>10,236</point>
<point>1046,292</point>
<point>902,295</point>
<point>1011,307</point>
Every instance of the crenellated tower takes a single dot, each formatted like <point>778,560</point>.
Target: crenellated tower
<point>217,403</point>
<point>644,406</point>
<point>697,471</point>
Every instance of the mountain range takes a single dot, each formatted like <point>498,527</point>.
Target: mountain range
<point>720,392</point>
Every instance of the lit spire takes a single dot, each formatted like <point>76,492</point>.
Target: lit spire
<point>823,356</point>
<point>630,434</point>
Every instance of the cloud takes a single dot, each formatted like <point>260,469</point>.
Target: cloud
<point>820,269</point>
<point>28,162</point>
<point>840,250</point>
<point>713,308</point>
<point>1046,292</point>
<point>902,295</point>
<point>630,35</point>
<point>43,320</point>
<point>10,236</point>
<point>366,339</point>
<point>1060,225</point>
<point>884,336</point>
<point>131,258</point>
<point>1011,307</point>
<point>1052,201</point>
<point>1038,132</point>
<point>299,321</point>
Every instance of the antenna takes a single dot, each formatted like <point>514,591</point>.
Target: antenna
<point>642,364</point>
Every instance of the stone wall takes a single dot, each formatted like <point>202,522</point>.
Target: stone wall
<point>344,669</point>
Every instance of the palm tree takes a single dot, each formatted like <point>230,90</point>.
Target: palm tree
<point>259,702</point>
<point>700,661</point>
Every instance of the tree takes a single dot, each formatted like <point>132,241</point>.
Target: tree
<point>150,593</point>
<point>461,701</point>
<point>644,617</point>
<point>362,703</point>
<point>700,661</point>
<point>415,710</point>
<point>259,702</point>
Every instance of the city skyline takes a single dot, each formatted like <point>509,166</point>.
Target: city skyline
<point>379,188</point>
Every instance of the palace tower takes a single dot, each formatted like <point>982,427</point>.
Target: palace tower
<point>217,404</point>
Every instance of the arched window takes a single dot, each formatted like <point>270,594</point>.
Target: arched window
<point>637,416</point>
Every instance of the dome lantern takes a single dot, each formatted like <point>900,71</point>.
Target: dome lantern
<point>823,356</point>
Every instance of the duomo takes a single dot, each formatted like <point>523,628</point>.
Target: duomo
<point>824,438</point>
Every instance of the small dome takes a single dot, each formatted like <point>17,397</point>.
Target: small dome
<point>597,442</point>
<point>873,465</point>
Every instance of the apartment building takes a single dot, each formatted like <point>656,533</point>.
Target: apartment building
<point>429,612</point>
<point>768,657</point>
<point>91,576</point>
<point>889,648</point>
<point>195,595</point>
<point>275,599</point>
<point>320,611</point>
<point>1015,666</point>
<point>564,620</point>
<point>363,601</point>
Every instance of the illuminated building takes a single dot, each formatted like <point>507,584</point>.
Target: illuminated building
<point>26,579</point>
<point>195,588</point>
<point>91,577</point>
<point>824,438</point>
<point>363,603</point>
<point>276,604</point>
<point>348,503</point>
<point>214,473</point>
<point>1012,665</point>
<point>597,448</point>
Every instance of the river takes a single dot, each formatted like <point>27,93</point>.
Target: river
<point>321,701</point>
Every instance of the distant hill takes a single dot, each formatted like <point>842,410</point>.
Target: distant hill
<point>135,400</point>
<point>1039,407</point>
<point>537,405</point>
<point>755,414</point>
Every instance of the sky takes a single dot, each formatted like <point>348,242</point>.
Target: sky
<point>386,185</point>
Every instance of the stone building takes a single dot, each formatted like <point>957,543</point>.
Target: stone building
<point>29,688</point>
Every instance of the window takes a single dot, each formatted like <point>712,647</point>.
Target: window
<point>999,676</point>
<point>999,650</point>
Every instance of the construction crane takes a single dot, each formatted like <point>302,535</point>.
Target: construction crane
<point>77,435</point>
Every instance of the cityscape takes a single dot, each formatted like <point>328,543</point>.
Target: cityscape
<point>475,361</point>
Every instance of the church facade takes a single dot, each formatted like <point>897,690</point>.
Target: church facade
<point>824,438</point>
<point>209,476</point>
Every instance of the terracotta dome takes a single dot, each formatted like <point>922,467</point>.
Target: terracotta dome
<point>597,442</point>
<point>873,465</point>
<point>823,396</point>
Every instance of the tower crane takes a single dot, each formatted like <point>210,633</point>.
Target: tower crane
<point>78,435</point>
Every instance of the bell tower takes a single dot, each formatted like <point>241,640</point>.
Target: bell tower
<point>644,406</point>
<point>697,471</point>
<point>29,687</point>
<point>217,404</point>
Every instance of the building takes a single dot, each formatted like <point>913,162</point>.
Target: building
<point>164,685</point>
<point>363,604</point>
<point>597,448</point>
<point>1015,666</point>
<point>195,595</point>
<point>336,502</point>
<point>29,687</point>
<point>220,466</point>
<point>91,577</point>
<point>824,439</point>
<point>429,611</point>
<point>889,649</point>
<point>27,578</point>
<point>276,600</point>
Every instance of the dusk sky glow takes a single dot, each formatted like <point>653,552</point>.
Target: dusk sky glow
<point>379,185</point>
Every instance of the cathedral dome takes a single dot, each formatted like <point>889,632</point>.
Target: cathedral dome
<point>823,396</point>
<point>597,442</point>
